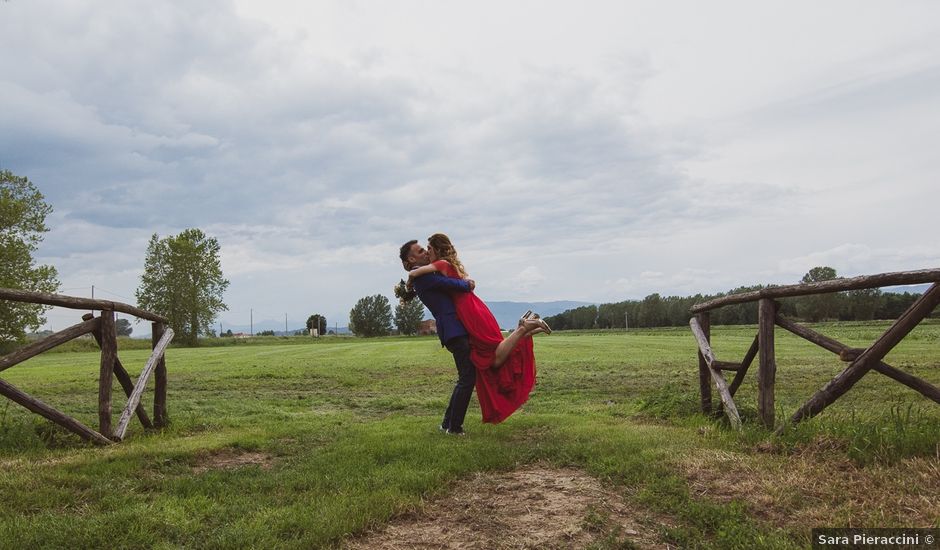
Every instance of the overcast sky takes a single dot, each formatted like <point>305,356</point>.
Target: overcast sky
<point>594,151</point>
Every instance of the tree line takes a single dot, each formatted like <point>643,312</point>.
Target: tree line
<point>671,311</point>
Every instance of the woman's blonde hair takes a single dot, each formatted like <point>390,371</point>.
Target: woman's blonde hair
<point>445,251</point>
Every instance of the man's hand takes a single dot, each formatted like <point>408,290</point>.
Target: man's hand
<point>472,283</point>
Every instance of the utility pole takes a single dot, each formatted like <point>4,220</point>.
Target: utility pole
<point>92,296</point>
<point>626,321</point>
<point>252,321</point>
<point>220,329</point>
<point>285,324</point>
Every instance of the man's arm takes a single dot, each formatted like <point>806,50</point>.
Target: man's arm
<point>439,282</point>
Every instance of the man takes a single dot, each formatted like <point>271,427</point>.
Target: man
<point>434,291</point>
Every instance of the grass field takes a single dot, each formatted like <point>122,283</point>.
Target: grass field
<point>303,443</point>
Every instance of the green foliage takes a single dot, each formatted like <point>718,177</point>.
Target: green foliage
<point>23,212</point>
<point>408,316</point>
<point>183,281</point>
<point>317,321</point>
<point>371,316</point>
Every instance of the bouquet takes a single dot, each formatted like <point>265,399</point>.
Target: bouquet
<point>404,293</point>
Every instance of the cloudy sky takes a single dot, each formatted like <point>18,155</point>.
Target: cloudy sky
<point>585,150</point>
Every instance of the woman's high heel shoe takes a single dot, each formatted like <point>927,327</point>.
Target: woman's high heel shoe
<point>525,317</point>
<point>542,324</point>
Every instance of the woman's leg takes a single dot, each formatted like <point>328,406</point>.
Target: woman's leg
<point>506,346</point>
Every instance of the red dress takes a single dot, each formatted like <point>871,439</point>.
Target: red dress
<point>500,390</point>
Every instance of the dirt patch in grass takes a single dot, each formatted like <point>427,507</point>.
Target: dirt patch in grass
<point>537,506</point>
<point>797,492</point>
<point>230,459</point>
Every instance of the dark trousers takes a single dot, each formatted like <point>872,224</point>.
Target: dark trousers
<point>463,390</point>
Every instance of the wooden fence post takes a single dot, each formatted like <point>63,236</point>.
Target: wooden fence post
<point>767,367</point>
<point>159,375</point>
<point>108,357</point>
<point>705,377</point>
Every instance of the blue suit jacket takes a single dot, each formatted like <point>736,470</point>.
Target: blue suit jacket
<point>434,290</point>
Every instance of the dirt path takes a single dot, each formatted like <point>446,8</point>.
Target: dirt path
<point>534,507</point>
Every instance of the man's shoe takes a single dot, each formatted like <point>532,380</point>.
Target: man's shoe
<point>442,428</point>
<point>459,432</point>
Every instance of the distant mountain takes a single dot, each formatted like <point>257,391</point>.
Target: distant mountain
<point>507,313</point>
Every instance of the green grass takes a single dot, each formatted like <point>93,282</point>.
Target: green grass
<point>350,429</point>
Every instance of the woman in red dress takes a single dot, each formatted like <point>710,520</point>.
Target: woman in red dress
<point>505,367</point>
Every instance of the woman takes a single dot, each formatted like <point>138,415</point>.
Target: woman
<point>505,367</point>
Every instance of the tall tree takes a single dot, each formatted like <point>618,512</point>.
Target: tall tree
<point>183,281</point>
<point>817,307</point>
<point>408,316</point>
<point>371,316</point>
<point>23,212</point>
<point>123,327</point>
<point>317,321</point>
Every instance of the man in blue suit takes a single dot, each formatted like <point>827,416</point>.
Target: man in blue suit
<point>434,290</point>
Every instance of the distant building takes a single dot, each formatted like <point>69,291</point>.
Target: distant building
<point>241,335</point>
<point>427,327</point>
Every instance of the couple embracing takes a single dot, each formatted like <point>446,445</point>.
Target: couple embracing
<point>503,370</point>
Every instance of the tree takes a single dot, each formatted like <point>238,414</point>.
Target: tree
<point>183,281</point>
<point>23,212</point>
<point>371,316</point>
<point>123,327</point>
<point>317,321</point>
<point>817,307</point>
<point>408,316</point>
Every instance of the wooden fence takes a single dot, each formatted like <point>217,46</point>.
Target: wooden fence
<point>861,361</point>
<point>105,334</point>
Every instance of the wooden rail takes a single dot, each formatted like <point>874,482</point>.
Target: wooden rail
<point>103,330</point>
<point>824,287</point>
<point>72,302</point>
<point>861,361</point>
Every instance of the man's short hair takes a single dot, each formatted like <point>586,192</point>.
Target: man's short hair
<point>405,251</point>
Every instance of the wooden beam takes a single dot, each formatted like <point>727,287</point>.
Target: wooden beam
<point>850,354</point>
<point>47,343</point>
<point>767,366</point>
<point>108,357</point>
<point>159,391</point>
<point>18,396</point>
<point>726,365</point>
<point>124,378</point>
<point>811,335</point>
<point>704,382</point>
<point>844,381</point>
<point>706,351</point>
<point>823,287</point>
<point>926,389</point>
<point>77,303</point>
<point>134,400</point>
<point>745,364</point>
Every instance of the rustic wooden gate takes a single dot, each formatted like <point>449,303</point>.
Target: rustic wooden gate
<point>103,330</point>
<point>861,361</point>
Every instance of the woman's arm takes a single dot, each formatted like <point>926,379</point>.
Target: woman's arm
<point>423,270</point>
